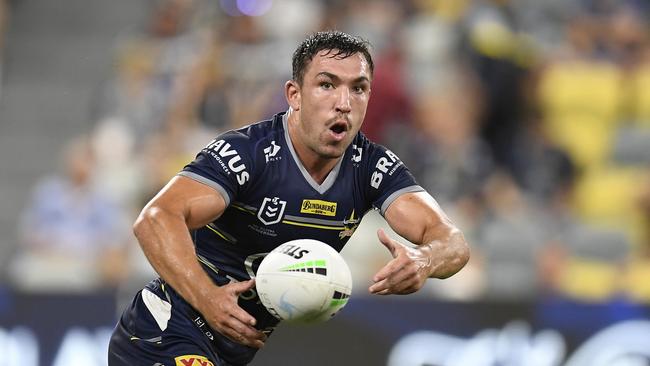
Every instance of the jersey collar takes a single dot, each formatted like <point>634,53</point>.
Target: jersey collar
<point>331,177</point>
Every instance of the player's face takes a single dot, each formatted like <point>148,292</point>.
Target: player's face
<point>333,101</point>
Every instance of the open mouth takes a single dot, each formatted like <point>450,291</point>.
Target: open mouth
<point>338,128</point>
<point>338,131</point>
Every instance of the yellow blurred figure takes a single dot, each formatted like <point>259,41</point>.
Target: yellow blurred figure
<point>589,280</point>
<point>581,100</point>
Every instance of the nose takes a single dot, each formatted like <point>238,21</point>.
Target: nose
<point>343,102</point>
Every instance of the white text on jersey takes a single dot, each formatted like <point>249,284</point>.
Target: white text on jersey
<point>223,149</point>
<point>382,168</point>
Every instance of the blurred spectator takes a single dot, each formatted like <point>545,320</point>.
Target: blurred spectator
<point>121,175</point>
<point>511,237</point>
<point>444,150</point>
<point>131,97</point>
<point>155,97</point>
<point>629,41</point>
<point>501,58</point>
<point>592,267</point>
<point>580,95</point>
<point>637,270</point>
<point>429,40</point>
<point>151,68</point>
<point>390,106</point>
<point>4,20</point>
<point>73,235</point>
<point>381,22</point>
<point>590,96</point>
<point>539,167</point>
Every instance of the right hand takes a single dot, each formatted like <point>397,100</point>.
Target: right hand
<point>225,316</point>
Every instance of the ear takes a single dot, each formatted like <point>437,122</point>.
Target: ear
<point>292,93</point>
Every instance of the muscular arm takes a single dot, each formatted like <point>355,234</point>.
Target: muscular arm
<point>441,248</point>
<point>162,230</point>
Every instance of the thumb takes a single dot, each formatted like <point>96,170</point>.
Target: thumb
<point>241,287</point>
<point>389,243</point>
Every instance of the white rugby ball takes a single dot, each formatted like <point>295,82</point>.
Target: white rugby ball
<point>303,281</point>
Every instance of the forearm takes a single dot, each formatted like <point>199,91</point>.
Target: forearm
<point>166,242</point>
<point>445,252</point>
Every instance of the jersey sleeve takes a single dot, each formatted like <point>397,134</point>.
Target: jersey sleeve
<point>388,177</point>
<point>225,164</point>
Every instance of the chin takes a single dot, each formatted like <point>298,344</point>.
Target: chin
<point>331,153</point>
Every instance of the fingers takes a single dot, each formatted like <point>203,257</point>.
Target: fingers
<point>238,313</point>
<point>239,326</point>
<point>383,292</point>
<point>242,316</point>
<point>389,243</point>
<point>397,282</point>
<point>240,287</point>
<point>390,287</point>
<point>229,319</point>
<point>390,268</point>
<point>245,334</point>
<point>379,288</point>
<point>395,248</point>
<point>399,276</point>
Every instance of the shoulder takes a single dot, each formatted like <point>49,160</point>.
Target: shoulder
<point>382,168</point>
<point>262,129</point>
<point>245,139</point>
<point>371,152</point>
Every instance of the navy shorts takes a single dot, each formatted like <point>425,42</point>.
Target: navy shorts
<point>160,329</point>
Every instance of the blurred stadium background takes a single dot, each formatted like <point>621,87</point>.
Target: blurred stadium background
<point>529,120</point>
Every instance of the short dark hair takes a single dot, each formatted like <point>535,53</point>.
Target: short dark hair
<point>341,45</point>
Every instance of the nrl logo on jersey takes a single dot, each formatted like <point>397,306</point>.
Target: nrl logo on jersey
<point>271,211</point>
<point>318,207</point>
<point>271,151</point>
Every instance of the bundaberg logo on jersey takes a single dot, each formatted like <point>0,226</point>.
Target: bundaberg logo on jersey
<point>271,211</point>
<point>220,150</point>
<point>318,207</point>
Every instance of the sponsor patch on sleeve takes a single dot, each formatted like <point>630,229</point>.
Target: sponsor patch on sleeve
<point>192,360</point>
<point>229,159</point>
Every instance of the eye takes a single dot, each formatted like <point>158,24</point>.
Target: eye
<point>359,89</point>
<point>326,85</point>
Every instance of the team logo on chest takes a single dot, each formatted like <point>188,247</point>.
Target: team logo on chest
<point>271,211</point>
<point>350,226</point>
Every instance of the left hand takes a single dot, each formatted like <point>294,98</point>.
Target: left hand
<point>405,273</point>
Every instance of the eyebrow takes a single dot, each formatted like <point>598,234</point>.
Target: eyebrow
<point>337,78</point>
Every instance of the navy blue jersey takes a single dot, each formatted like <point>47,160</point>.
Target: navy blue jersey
<point>271,199</point>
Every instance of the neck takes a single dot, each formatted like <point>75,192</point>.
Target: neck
<point>317,166</point>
